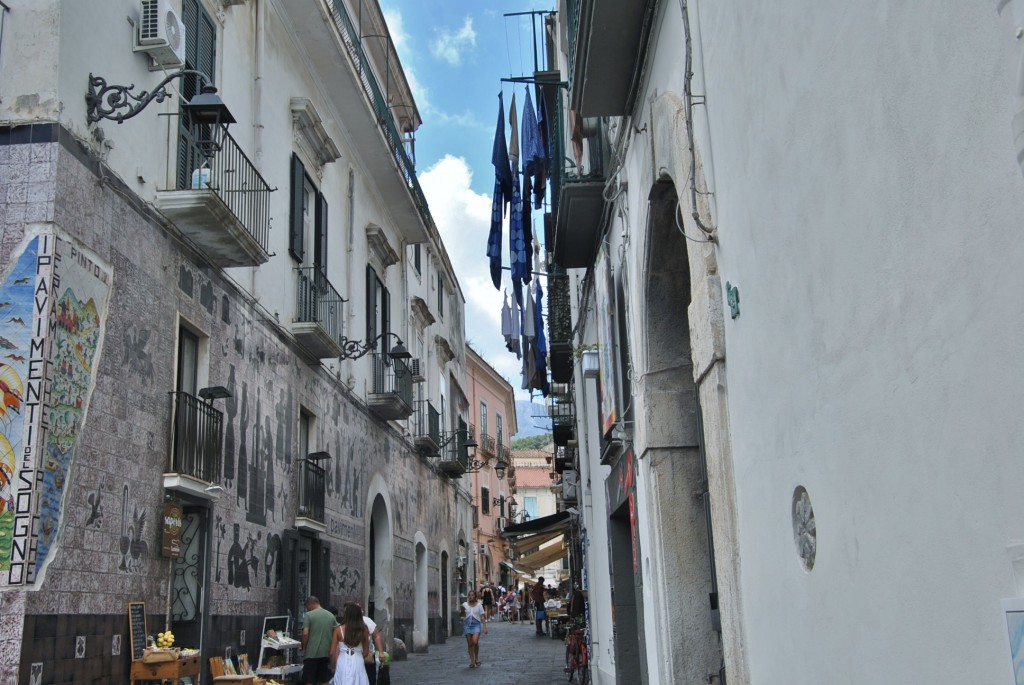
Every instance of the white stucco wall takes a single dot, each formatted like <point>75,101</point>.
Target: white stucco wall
<point>868,205</point>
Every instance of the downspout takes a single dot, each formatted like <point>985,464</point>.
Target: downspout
<point>257,100</point>
<point>688,103</point>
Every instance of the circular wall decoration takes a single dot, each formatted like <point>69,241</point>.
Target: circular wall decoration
<point>805,532</point>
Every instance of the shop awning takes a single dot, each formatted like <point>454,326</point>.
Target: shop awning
<point>545,524</point>
<point>543,557</point>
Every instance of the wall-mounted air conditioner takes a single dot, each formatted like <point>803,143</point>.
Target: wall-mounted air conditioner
<point>500,523</point>
<point>161,34</point>
<point>417,371</point>
<point>483,549</point>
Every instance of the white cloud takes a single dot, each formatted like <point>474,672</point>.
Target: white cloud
<point>403,46</point>
<point>449,46</point>
<point>463,218</point>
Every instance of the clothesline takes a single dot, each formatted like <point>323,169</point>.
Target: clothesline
<point>535,273</point>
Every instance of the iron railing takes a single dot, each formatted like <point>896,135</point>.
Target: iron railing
<point>456,451</point>
<point>428,422</point>
<point>317,301</point>
<point>379,102</point>
<point>312,489</point>
<point>392,376</point>
<point>229,174</point>
<point>572,11</point>
<point>487,444</point>
<point>198,436</point>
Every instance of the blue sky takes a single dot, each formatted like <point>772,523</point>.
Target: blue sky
<point>455,53</point>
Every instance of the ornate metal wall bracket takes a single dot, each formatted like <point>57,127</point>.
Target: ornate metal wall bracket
<point>107,101</point>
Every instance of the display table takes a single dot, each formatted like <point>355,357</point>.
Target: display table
<point>166,670</point>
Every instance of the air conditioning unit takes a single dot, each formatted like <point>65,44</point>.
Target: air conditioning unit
<point>417,371</point>
<point>483,549</point>
<point>460,562</point>
<point>161,34</point>
<point>500,523</point>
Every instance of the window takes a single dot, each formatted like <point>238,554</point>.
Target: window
<point>440,296</point>
<point>378,307</point>
<point>485,500</point>
<point>483,419</point>
<point>497,428</point>
<point>308,219</point>
<point>200,55</point>
<point>305,421</point>
<point>416,257</point>
<point>530,507</point>
<point>188,362</point>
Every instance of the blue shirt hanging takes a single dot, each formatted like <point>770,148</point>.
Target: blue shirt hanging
<point>501,196</point>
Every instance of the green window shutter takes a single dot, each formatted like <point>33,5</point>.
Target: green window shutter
<point>320,242</point>
<point>371,303</point>
<point>295,235</point>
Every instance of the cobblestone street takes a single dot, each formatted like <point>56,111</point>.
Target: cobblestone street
<point>511,654</point>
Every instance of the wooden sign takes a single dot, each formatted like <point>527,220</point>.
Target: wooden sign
<point>137,628</point>
<point>172,525</point>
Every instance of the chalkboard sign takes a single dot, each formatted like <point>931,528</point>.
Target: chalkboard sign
<point>137,628</point>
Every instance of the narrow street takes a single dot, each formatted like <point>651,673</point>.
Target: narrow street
<point>511,654</point>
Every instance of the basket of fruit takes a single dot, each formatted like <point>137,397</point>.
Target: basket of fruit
<point>161,649</point>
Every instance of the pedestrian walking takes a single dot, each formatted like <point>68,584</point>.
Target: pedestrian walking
<point>350,648</point>
<point>537,595</point>
<point>317,629</point>
<point>376,646</point>
<point>474,620</point>
<point>487,598</point>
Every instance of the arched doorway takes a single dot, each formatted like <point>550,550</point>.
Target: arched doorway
<point>380,600</point>
<point>445,595</point>
<point>420,631</point>
<point>671,450</point>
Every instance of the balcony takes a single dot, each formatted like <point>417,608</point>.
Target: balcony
<point>196,449</point>
<point>579,187</point>
<point>312,491</point>
<point>317,325</point>
<point>220,202</point>
<point>455,457</point>
<point>487,445</point>
<point>364,81</point>
<point>563,418</point>
<point>607,45</point>
<point>391,397</point>
<point>427,435</point>
<point>560,325</point>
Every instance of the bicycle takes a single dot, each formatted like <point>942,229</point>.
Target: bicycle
<point>577,661</point>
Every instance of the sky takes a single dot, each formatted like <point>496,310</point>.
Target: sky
<point>455,53</point>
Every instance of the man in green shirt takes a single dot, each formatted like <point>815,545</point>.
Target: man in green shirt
<point>317,629</point>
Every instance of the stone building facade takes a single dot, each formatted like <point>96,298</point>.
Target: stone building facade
<point>180,358</point>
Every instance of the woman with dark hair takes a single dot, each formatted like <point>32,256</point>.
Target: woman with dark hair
<point>350,648</point>
<point>474,619</point>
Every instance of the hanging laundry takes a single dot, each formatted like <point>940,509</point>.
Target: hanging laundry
<point>501,196</point>
<point>534,163</point>
<point>510,325</point>
<point>518,254</point>
<point>541,174</point>
<point>576,137</point>
<point>533,155</point>
<point>539,378</point>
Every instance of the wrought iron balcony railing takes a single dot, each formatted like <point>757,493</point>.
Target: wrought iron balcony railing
<point>198,436</point>
<point>318,302</point>
<point>487,444</point>
<point>391,395</point>
<point>379,102</point>
<point>312,490</point>
<point>230,175</point>
<point>427,427</point>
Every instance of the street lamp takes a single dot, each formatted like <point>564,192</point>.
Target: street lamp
<point>354,349</point>
<point>205,109</point>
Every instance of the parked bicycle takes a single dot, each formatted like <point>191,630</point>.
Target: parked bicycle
<point>577,661</point>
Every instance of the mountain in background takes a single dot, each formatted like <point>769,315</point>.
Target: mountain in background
<point>532,419</point>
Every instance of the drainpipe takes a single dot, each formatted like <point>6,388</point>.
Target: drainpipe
<point>257,100</point>
<point>688,103</point>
